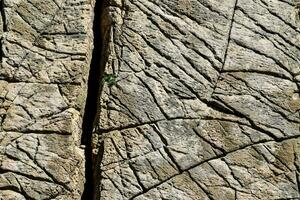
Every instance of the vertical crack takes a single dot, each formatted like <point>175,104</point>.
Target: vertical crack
<point>227,45</point>
<point>4,26</point>
<point>91,108</point>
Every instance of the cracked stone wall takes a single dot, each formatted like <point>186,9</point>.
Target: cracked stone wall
<point>205,104</point>
<point>45,55</point>
<point>199,99</point>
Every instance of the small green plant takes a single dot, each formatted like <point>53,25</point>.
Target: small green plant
<point>110,79</point>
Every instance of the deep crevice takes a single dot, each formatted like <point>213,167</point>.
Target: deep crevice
<point>91,108</point>
<point>4,25</point>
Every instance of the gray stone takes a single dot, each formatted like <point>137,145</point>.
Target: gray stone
<point>46,50</point>
<point>198,100</point>
<point>206,100</point>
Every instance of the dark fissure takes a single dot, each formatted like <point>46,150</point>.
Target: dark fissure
<point>4,26</point>
<point>91,108</point>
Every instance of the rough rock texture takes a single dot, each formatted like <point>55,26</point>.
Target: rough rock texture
<point>45,55</point>
<point>200,100</point>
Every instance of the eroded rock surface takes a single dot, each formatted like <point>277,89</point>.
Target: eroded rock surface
<point>45,55</point>
<point>201,100</point>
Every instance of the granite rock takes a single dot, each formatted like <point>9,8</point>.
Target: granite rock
<point>46,49</point>
<point>205,104</point>
<point>193,99</point>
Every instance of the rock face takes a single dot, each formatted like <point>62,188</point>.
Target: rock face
<point>202,101</point>
<point>45,56</point>
<point>199,99</point>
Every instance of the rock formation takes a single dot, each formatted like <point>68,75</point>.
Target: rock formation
<point>150,99</point>
<point>45,57</point>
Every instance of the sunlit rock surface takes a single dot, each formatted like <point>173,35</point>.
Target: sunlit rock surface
<point>198,100</point>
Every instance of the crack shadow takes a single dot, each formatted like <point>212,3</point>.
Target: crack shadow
<point>92,108</point>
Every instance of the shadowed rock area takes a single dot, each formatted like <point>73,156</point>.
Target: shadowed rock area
<point>150,100</point>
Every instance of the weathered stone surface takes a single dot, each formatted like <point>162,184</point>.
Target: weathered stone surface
<point>205,104</point>
<point>46,50</point>
<point>199,99</point>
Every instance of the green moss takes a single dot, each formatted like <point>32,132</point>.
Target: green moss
<point>110,79</point>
